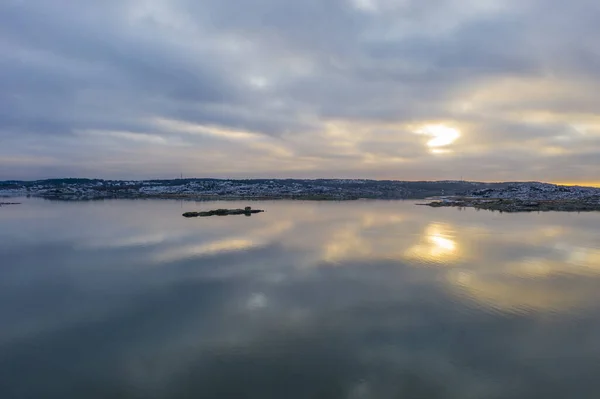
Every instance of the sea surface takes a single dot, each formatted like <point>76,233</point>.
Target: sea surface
<point>353,300</point>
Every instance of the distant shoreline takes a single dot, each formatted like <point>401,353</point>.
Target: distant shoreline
<point>492,196</point>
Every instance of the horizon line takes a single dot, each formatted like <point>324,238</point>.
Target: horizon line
<point>560,183</point>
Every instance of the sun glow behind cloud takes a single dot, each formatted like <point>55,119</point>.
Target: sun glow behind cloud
<point>442,136</point>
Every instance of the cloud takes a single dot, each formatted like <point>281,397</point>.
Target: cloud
<point>315,87</point>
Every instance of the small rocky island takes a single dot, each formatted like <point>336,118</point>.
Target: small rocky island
<point>519,205</point>
<point>526,197</point>
<point>9,203</point>
<point>248,211</point>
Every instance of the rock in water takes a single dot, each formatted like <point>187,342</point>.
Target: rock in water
<point>223,212</point>
<point>9,203</point>
<point>191,214</point>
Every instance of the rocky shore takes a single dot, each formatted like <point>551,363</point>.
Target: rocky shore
<point>231,189</point>
<point>223,212</point>
<point>293,189</point>
<point>588,204</point>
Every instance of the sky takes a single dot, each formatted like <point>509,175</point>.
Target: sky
<point>485,90</point>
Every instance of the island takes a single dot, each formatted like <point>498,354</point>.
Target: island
<point>531,197</point>
<point>9,203</point>
<point>248,211</point>
<point>500,196</point>
<point>516,205</point>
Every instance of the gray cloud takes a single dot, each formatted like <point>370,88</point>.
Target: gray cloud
<point>504,73</point>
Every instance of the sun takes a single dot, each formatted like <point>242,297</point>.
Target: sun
<point>441,135</point>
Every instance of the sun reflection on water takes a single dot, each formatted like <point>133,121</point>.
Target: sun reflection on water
<point>437,245</point>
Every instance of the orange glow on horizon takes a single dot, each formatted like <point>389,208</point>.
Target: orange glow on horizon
<point>583,184</point>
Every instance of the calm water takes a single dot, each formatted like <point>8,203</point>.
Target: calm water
<point>366,299</point>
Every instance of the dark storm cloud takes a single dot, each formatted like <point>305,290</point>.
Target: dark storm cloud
<point>284,72</point>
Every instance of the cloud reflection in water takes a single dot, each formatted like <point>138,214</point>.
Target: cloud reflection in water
<point>310,299</point>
